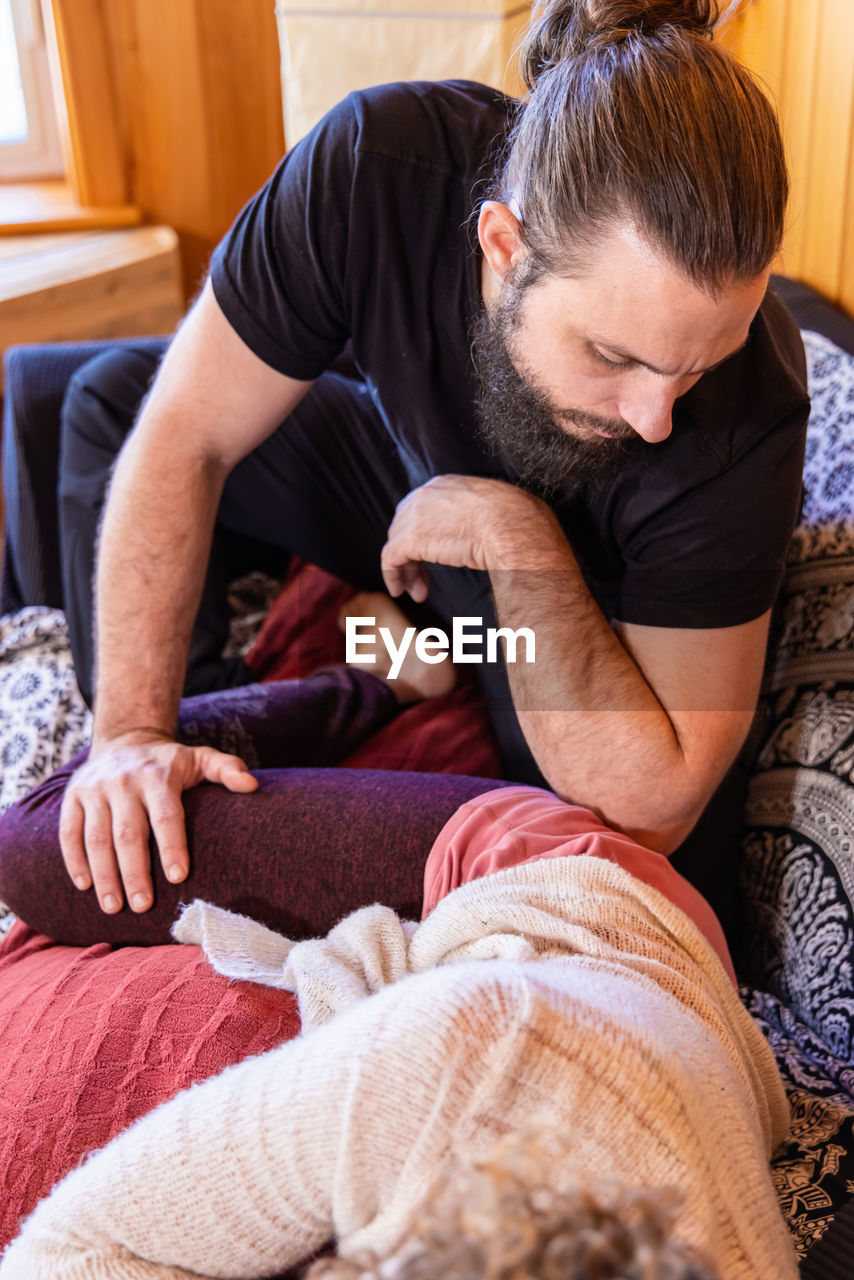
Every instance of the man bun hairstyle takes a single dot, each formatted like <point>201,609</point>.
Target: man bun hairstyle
<point>635,114</point>
<point>563,30</point>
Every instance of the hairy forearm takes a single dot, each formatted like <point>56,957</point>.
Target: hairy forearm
<point>595,727</point>
<point>153,553</point>
<point>212,402</point>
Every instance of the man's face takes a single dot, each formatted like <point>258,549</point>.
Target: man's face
<point>580,374</point>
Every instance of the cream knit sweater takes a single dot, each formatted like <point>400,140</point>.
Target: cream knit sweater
<point>564,989</point>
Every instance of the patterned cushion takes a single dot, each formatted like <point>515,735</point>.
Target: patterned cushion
<point>798,870</point>
<point>43,717</point>
<point>813,1170</point>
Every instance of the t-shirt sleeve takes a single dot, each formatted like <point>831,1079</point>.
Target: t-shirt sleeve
<point>279,273</point>
<point>716,555</point>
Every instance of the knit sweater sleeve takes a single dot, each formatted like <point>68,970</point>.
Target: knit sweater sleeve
<point>249,1172</point>
<point>218,1181</point>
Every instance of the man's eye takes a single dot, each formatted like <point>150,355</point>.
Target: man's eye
<point>611,364</point>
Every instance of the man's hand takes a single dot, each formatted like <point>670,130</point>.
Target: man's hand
<point>127,787</point>
<point>451,520</point>
<point>639,724</point>
<point>212,402</point>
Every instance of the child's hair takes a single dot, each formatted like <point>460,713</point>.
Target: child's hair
<point>502,1219</point>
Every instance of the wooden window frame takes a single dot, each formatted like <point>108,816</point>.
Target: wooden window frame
<point>40,154</point>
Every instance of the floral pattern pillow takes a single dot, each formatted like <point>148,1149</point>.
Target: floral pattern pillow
<point>798,851</point>
<point>43,716</point>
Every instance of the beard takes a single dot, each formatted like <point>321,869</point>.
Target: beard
<point>517,421</point>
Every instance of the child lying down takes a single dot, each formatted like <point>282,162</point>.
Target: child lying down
<point>550,1076</point>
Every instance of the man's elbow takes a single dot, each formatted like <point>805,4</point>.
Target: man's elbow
<point>662,837</point>
<point>659,820</point>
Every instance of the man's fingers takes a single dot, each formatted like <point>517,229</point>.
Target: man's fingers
<point>403,575</point>
<point>169,828</point>
<point>392,567</point>
<point>98,837</point>
<point>71,842</point>
<point>393,583</point>
<point>229,771</point>
<point>130,841</point>
<point>415,580</point>
<point>121,795</point>
<point>418,585</point>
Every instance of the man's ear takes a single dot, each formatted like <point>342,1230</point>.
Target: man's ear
<point>500,237</point>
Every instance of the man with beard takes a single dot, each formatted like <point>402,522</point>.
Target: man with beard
<point>587,418</point>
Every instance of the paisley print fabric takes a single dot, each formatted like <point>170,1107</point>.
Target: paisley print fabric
<point>814,1170</point>
<point>798,868</point>
<point>43,717</point>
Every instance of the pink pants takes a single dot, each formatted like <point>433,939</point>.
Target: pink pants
<point>516,824</point>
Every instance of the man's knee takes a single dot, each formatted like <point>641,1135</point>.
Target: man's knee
<point>100,408</point>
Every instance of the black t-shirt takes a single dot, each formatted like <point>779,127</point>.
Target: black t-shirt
<point>364,234</point>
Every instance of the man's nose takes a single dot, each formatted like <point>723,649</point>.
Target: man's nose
<point>649,410</point>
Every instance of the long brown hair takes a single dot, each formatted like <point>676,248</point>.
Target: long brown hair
<point>633,113</point>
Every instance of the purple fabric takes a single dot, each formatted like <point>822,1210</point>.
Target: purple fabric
<point>311,844</point>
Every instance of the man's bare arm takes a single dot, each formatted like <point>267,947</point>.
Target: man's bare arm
<point>638,724</point>
<point>212,402</point>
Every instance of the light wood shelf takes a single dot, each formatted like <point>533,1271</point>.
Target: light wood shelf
<point>32,207</point>
<point>89,284</point>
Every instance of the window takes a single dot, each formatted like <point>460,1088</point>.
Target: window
<point>29,137</point>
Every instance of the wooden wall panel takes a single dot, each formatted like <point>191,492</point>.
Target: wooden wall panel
<point>804,51</point>
<point>795,97</point>
<point>82,72</point>
<point>846,293</point>
<point>833,107</point>
<point>172,171</point>
<point>205,112</point>
<point>196,107</point>
<point>243,93</point>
